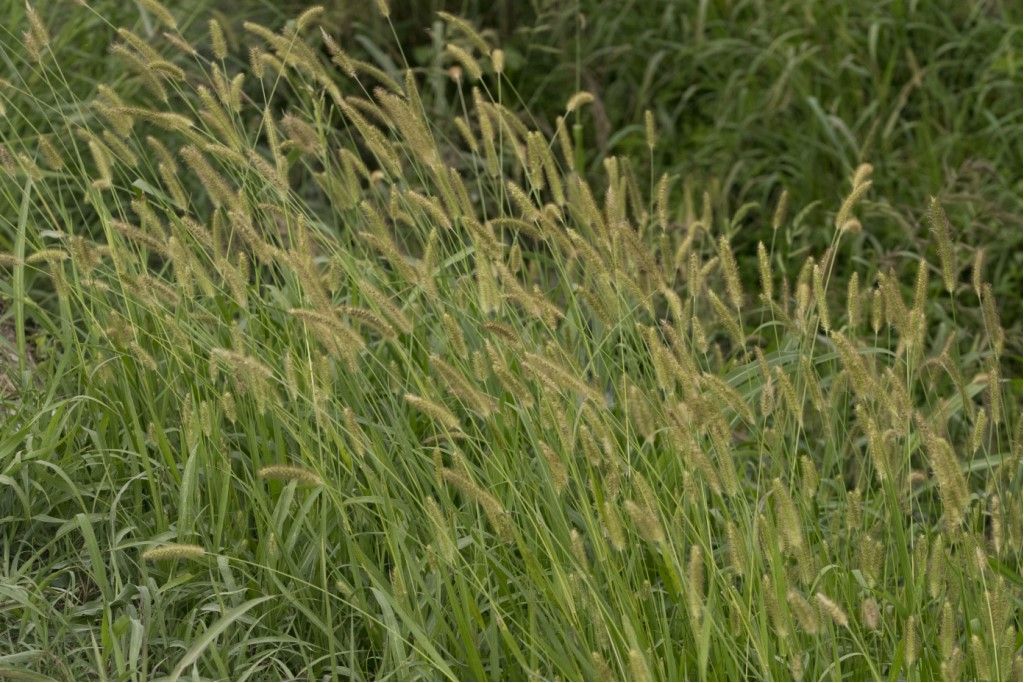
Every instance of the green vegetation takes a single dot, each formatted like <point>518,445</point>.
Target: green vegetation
<point>337,348</point>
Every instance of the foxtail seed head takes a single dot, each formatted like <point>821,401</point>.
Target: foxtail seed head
<point>578,100</point>
<point>173,551</point>
<point>833,610</point>
<point>870,614</point>
<point>290,473</point>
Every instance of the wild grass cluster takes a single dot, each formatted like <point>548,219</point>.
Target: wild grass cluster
<point>325,369</point>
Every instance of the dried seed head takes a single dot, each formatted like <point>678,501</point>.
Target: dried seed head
<point>833,610</point>
<point>737,549</point>
<point>646,521</point>
<point>565,143</point>
<point>877,311</point>
<point>102,161</point>
<point>466,60</point>
<point>863,381</point>
<point>951,666</point>
<point>290,473</point>
<point>556,467</point>
<point>699,337</point>
<point>861,174</point>
<point>979,431</point>
<point>990,315</point>
<point>818,283</point>
<point>993,396</point>
<point>852,227</point>
<point>775,614</point>
<point>937,568</point>
<point>846,209</point>
<point>467,134</point>
<point>953,489</point>
<point>910,642</point>
<point>765,267</point>
<point>853,302</point>
<point>728,318</point>
<point>37,38</point>
<point>854,510</point>
<point>492,507</point>
<point>216,186</point>
<point>578,100</point>
<point>731,272</point>
<point>638,669</point>
<point>650,133</point>
<point>173,551</point>
<point>805,614</point>
<point>870,615</point>
<point>160,12</point>
<point>878,448</point>
<point>434,410</point>
<point>308,18</point>
<point>978,270</point>
<point>227,405</point>
<point>474,398</point>
<point>50,154</point>
<point>579,549</point>
<point>217,41</point>
<point>442,532</point>
<point>466,29</point>
<point>661,202</point>
<point>695,583</point>
<point>808,478</point>
<point>602,671</point>
<point>944,243</point>
<point>787,516</point>
<point>921,286</point>
<point>779,217</point>
<point>613,526</point>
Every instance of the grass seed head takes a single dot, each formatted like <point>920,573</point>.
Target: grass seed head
<point>173,551</point>
<point>646,521</point>
<point>806,615</point>
<point>290,473</point>
<point>870,614</point>
<point>650,132</point>
<point>218,43</point>
<point>833,610</point>
<point>160,12</point>
<point>578,100</point>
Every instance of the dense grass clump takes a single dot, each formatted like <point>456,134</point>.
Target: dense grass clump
<point>329,370</point>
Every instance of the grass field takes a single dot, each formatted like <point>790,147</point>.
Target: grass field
<point>651,340</point>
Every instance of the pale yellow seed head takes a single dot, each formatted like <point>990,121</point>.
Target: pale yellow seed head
<point>309,17</point>
<point>290,473</point>
<point>870,614</point>
<point>466,60</point>
<point>160,13</point>
<point>173,551</point>
<point>217,41</point>
<point>833,610</point>
<point>578,100</point>
<point>650,132</point>
<point>779,217</point>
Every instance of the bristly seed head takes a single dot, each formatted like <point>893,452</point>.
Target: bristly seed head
<point>290,473</point>
<point>173,551</point>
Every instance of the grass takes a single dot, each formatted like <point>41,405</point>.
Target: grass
<point>314,379</point>
<point>753,97</point>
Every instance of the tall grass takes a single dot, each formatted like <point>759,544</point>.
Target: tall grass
<point>315,382</point>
